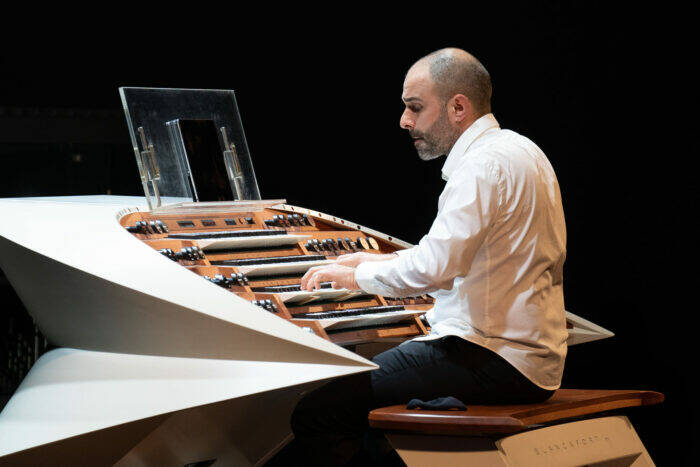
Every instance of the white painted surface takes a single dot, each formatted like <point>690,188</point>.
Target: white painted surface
<point>69,392</point>
<point>146,336</point>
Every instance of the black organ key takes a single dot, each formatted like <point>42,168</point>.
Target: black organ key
<point>350,312</point>
<point>305,219</point>
<point>249,220</point>
<point>340,244</point>
<point>362,243</point>
<point>286,288</point>
<point>268,260</point>
<point>350,243</point>
<point>297,219</point>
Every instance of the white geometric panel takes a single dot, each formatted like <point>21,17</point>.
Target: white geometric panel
<point>71,392</point>
<point>149,346</point>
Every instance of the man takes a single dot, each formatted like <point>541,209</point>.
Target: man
<point>493,256</point>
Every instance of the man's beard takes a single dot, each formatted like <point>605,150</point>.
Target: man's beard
<point>437,140</point>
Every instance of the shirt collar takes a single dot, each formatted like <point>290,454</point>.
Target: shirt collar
<point>471,134</point>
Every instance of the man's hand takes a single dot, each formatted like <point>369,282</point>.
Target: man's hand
<point>353,260</point>
<point>341,277</point>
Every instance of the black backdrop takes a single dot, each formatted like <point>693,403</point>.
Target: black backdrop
<point>320,104</point>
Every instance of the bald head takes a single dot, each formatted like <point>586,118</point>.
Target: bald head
<point>455,71</point>
<point>444,93</point>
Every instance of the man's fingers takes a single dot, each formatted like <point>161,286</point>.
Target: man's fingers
<point>312,279</point>
<point>307,276</point>
<point>346,259</point>
<point>316,279</point>
<point>304,280</point>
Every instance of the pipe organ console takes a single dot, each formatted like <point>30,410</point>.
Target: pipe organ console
<point>261,257</point>
<point>181,333</point>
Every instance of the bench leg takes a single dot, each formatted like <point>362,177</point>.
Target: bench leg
<point>604,442</point>
<point>445,451</point>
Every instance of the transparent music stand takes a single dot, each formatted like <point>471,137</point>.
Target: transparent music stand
<point>169,172</point>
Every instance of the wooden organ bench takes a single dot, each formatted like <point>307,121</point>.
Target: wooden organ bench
<point>567,429</point>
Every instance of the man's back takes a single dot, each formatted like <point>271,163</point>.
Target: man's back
<point>511,300</point>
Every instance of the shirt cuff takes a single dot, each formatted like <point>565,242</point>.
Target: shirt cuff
<point>366,277</point>
<point>404,252</point>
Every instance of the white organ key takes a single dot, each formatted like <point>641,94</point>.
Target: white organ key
<point>232,243</point>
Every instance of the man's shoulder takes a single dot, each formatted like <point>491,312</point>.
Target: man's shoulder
<point>504,143</point>
<point>505,152</point>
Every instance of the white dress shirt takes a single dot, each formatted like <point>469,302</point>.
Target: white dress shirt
<point>494,254</point>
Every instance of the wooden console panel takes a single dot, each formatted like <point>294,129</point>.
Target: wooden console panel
<point>320,240</point>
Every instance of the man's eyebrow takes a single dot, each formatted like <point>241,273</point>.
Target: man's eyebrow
<point>411,99</point>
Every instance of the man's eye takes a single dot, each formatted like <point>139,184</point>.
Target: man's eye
<point>414,109</point>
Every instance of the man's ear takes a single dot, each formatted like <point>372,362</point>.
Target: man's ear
<point>461,108</point>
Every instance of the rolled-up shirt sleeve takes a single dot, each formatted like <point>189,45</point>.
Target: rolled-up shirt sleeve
<point>469,205</point>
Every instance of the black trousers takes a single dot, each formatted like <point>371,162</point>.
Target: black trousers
<point>330,424</point>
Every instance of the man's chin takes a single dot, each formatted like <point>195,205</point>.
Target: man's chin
<point>425,151</point>
<point>428,156</point>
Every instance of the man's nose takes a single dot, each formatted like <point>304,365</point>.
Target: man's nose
<point>406,122</point>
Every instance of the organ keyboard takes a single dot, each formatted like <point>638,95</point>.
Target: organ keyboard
<point>261,256</point>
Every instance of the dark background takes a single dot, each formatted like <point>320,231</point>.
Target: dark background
<point>320,103</point>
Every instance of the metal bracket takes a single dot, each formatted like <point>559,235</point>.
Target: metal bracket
<point>149,168</point>
<point>233,166</point>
